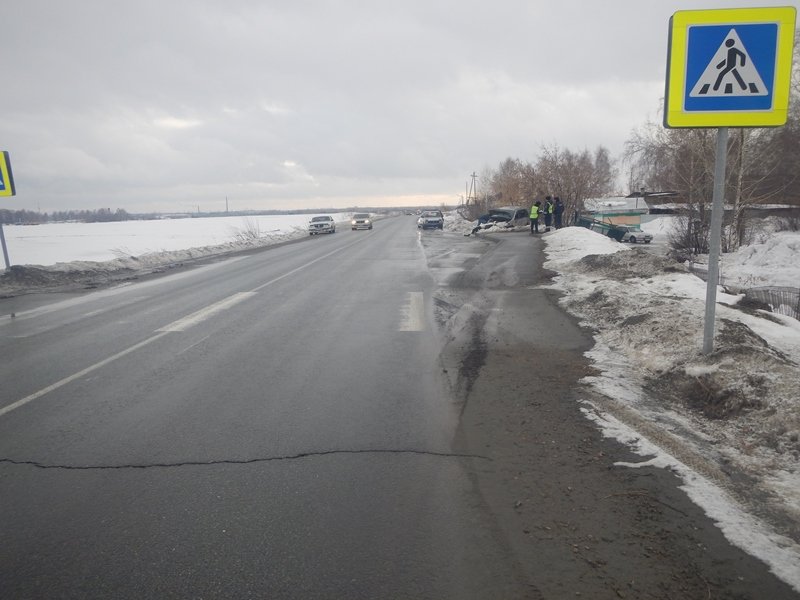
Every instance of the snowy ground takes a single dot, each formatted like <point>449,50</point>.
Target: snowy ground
<point>727,423</point>
<point>53,243</point>
<point>772,260</point>
<point>79,255</point>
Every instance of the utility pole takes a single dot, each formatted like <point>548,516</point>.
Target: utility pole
<point>472,193</point>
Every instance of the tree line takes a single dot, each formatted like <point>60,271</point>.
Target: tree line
<point>763,166</point>
<point>30,217</point>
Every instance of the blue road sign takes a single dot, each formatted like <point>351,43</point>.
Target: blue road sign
<point>729,67</point>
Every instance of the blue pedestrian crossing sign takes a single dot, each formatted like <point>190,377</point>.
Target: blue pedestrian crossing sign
<point>6,177</point>
<point>729,67</point>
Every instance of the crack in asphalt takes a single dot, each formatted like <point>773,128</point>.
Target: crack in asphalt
<point>247,461</point>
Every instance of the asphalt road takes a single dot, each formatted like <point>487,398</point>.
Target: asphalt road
<point>277,425</point>
<point>384,414</point>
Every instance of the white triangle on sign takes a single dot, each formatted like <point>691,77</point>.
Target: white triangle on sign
<point>730,73</point>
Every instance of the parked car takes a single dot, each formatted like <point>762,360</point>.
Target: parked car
<point>321,224</point>
<point>633,235</point>
<point>361,221</point>
<point>431,219</point>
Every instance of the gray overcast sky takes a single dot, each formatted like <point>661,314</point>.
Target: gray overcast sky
<point>168,105</point>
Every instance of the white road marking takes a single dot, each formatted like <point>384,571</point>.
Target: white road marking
<point>114,291</point>
<point>79,374</point>
<point>43,310</point>
<point>301,267</point>
<point>207,312</point>
<point>412,313</point>
<point>189,347</point>
<point>176,326</point>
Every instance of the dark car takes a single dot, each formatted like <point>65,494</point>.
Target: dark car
<point>504,217</point>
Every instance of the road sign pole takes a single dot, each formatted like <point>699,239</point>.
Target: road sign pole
<point>5,250</point>
<point>717,212</point>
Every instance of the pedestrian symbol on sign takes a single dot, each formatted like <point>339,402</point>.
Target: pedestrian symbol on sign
<point>730,72</point>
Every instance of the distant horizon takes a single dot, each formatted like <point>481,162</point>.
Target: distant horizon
<point>239,212</point>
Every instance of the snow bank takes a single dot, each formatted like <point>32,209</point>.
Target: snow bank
<point>735,410</point>
<point>773,262</point>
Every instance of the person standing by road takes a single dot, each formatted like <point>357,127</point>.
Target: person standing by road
<point>558,212</point>
<point>548,212</point>
<point>535,216</point>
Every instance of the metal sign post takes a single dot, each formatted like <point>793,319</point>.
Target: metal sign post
<point>6,189</point>
<point>727,68</point>
<point>717,211</point>
<point>5,249</point>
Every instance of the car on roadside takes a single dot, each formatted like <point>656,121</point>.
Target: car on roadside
<point>431,219</point>
<point>633,235</point>
<point>510,216</point>
<point>361,221</point>
<point>321,224</point>
<point>505,217</point>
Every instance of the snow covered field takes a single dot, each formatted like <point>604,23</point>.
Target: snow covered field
<point>53,243</point>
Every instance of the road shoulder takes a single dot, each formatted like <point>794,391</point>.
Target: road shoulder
<point>580,526</point>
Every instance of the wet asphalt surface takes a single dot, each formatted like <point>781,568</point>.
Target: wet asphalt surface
<point>291,439</point>
<point>385,414</point>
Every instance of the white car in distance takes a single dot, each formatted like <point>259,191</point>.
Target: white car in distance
<point>634,235</point>
<point>321,224</point>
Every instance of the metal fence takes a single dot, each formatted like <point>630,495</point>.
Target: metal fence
<point>782,300</point>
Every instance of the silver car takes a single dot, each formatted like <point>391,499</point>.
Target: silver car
<point>361,221</point>
<point>634,235</point>
<point>321,224</point>
<point>431,219</point>
<point>510,216</point>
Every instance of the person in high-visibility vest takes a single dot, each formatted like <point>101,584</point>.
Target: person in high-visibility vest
<point>535,217</point>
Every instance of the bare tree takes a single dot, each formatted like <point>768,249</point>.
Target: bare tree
<point>575,176</point>
<point>508,183</point>
<point>680,160</point>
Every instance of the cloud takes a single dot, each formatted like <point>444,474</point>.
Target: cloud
<point>176,123</point>
<point>285,104</point>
